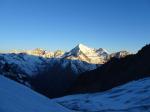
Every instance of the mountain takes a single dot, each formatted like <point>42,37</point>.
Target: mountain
<point>58,53</point>
<point>41,70</point>
<point>24,64</point>
<point>21,67</point>
<point>40,52</point>
<point>84,53</point>
<point>59,75</point>
<point>120,54</point>
<point>115,72</point>
<point>131,97</point>
<point>80,52</point>
<point>18,98</point>
<point>32,70</point>
<point>102,53</point>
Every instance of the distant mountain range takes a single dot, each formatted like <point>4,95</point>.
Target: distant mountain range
<point>101,76</point>
<point>42,70</point>
<point>80,52</point>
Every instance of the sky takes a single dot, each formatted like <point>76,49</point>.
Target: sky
<point>62,24</point>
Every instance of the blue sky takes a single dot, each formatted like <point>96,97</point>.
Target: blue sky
<point>62,24</point>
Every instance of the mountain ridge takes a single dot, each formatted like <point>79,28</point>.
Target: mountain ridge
<point>115,72</point>
<point>79,52</point>
<point>36,71</point>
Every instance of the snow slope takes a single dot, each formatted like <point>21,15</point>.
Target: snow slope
<point>27,64</point>
<point>31,65</point>
<point>131,97</point>
<point>17,98</point>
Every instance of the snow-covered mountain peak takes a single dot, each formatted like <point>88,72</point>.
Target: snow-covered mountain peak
<point>81,48</point>
<point>87,54</point>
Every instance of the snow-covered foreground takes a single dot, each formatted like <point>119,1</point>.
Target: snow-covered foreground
<point>131,97</point>
<point>15,97</point>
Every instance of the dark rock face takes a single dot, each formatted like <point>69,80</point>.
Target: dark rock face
<point>54,80</point>
<point>58,77</point>
<point>115,72</point>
